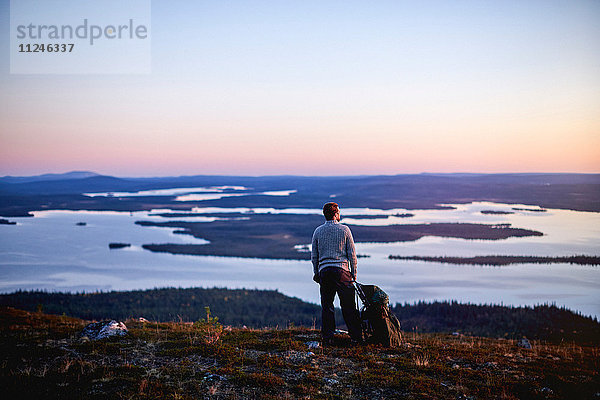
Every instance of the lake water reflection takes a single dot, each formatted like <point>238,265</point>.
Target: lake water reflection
<point>50,251</point>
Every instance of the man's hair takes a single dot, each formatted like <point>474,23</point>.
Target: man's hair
<point>329,210</point>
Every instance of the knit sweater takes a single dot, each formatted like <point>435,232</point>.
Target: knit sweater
<point>333,246</point>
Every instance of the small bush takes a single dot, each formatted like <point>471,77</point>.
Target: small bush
<point>209,329</point>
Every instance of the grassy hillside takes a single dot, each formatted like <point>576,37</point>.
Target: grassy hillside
<point>42,356</point>
<point>265,308</point>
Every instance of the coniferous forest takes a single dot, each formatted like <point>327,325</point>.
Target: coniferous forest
<point>266,308</point>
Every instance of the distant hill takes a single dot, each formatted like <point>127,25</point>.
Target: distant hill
<point>49,177</point>
<point>72,185</point>
<point>21,195</point>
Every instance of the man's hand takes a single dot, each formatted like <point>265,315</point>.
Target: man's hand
<point>317,278</point>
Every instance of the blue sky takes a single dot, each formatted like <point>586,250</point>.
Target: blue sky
<point>322,87</point>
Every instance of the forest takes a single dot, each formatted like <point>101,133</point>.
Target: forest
<point>498,260</point>
<point>542,322</point>
<point>237,307</point>
<point>267,308</point>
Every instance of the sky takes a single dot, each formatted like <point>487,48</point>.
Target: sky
<point>323,88</point>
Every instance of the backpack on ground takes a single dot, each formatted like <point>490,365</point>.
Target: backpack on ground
<point>379,324</point>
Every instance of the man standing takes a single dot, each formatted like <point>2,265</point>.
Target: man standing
<point>334,265</point>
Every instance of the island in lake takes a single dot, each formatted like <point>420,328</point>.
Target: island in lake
<point>504,260</point>
<point>278,236</point>
<point>403,215</point>
<point>118,245</point>
<point>530,209</point>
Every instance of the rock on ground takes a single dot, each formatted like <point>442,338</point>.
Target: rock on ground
<point>524,343</point>
<point>104,329</point>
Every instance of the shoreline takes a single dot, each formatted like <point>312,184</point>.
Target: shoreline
<point>269,236</point>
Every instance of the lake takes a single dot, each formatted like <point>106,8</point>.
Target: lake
<point>52,252</point>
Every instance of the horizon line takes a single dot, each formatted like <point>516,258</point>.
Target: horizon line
<point>94,173</point>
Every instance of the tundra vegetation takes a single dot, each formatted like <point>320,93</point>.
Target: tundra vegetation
<point>43,356</point>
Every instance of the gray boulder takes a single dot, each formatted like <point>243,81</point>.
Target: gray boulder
<point>103,330</point>
<point>524,343</point>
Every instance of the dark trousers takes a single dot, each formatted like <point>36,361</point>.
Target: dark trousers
<point>337,280</point>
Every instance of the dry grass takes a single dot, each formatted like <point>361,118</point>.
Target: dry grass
<point>42,357</point>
